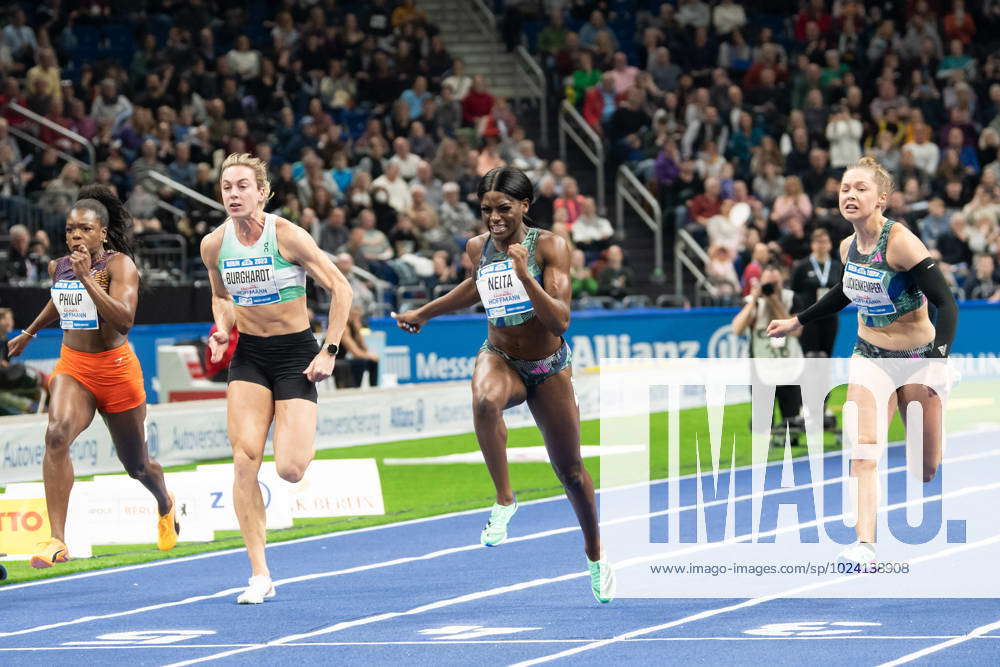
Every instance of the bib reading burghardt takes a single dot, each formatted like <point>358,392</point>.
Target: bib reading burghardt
<point>881,293</point>
<point>76,307</point>
<point>257,275</point>
<point>503,294</point>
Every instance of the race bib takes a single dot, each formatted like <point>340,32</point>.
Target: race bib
<point>251,281</point>
<point>865,287</point>
<point>77,309</point>
<point>501,291</point>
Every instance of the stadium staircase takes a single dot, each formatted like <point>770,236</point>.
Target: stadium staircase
<point>470,31</point>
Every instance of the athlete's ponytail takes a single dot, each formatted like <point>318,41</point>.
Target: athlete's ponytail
<point>112,214</point>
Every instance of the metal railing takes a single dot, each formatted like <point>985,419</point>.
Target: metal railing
<point>55,127</point>
<point>684,245</point>
<point>179,187</point>
<point>533,77</point>
<point>628,189</point>
<point>572,124</point>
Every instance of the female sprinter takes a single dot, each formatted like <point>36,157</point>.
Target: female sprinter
<point>887,273</point>
<point>257,264</point>
<point>523,282</point>
<point>95,290</point>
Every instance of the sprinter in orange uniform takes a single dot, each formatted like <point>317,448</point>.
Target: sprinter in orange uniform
<point>95,290</point>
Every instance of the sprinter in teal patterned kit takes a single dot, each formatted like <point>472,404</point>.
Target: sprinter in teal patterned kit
<point>523,283</point>
<point>890,276</point>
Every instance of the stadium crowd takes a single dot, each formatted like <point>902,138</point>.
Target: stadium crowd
<point>376,137</point>
<point>714,104</point>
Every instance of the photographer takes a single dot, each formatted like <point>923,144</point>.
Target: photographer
<point>769,299</point>
<point>812,277</point>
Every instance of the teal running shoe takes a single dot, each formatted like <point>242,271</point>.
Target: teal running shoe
<point>602,579</point>
<point>495,531</point>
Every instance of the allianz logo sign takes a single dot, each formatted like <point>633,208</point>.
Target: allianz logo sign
<point>587,351</point>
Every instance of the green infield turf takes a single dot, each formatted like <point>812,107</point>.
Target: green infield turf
<point>415,491</point>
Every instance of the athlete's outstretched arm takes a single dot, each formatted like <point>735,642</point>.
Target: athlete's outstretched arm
<point>464,295</point>
<point>551,301</point>
<point>223,311</point>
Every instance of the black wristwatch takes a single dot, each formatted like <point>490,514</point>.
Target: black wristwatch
<point>332,349</point>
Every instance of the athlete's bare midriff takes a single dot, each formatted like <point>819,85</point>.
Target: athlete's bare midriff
<point>273,319</point>
<point>907,332</point>
<point>529,341</point>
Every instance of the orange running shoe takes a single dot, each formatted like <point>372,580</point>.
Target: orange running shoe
<point>50,552</point>
<point>167,527</point>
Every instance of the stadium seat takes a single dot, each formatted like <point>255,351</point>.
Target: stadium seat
<point>180,375</point>
<point>119,43</point>
<point>88,43</point>
<point>636,301</point>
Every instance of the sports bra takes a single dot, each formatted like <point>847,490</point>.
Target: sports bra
<point>257,275</point>
<point>881,293</point>
<point>501,291</point>
<point>76,307</point>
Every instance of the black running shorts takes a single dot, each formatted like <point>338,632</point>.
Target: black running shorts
<point>276,362</point>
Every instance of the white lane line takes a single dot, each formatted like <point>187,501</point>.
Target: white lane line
<point>398,524</point>
<point>273,545</point>
<point>751,603</point>
<point>525,585</point>
<point>487,642</point>
<point>972,634</point>
<point>472,547</point>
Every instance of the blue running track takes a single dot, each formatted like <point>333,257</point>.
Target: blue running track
<point>425,593</point>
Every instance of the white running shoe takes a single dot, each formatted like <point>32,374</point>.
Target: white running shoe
<point>861,553</point>
<point>602,579</point>
<point>495,531</point>
<point>259,588</point>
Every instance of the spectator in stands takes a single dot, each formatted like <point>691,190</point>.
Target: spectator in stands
<point>477,103</point>
<point>404,159</point>
<point>356,358</point>
<point>110,105</point>
<point>459,82</point>
<point>983,283</point>
<point>615,279</point>
<point>19,38</point>
<point>374,244</point>
<point>61,192</point>
<point>594,27</point>
<point>591,232</point>
<point>664,72</point>
<point>759,258</point>
<point>791,205</point>
<point>21,267</point>
<point>600,103</point>
<point>571,200</point>
<point>456,216</point>
<point>582,279</point>
<point>704,206</point>
<point>583,77</point>
<point>954,245</point>
<point>45,77</point>
<point>727,17</point>
<point>394,186</point>
<point>622,73</point>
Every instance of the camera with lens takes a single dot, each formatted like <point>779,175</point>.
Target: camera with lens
<point>767,289</point>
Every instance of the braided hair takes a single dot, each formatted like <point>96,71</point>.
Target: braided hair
<point>112,214</point>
